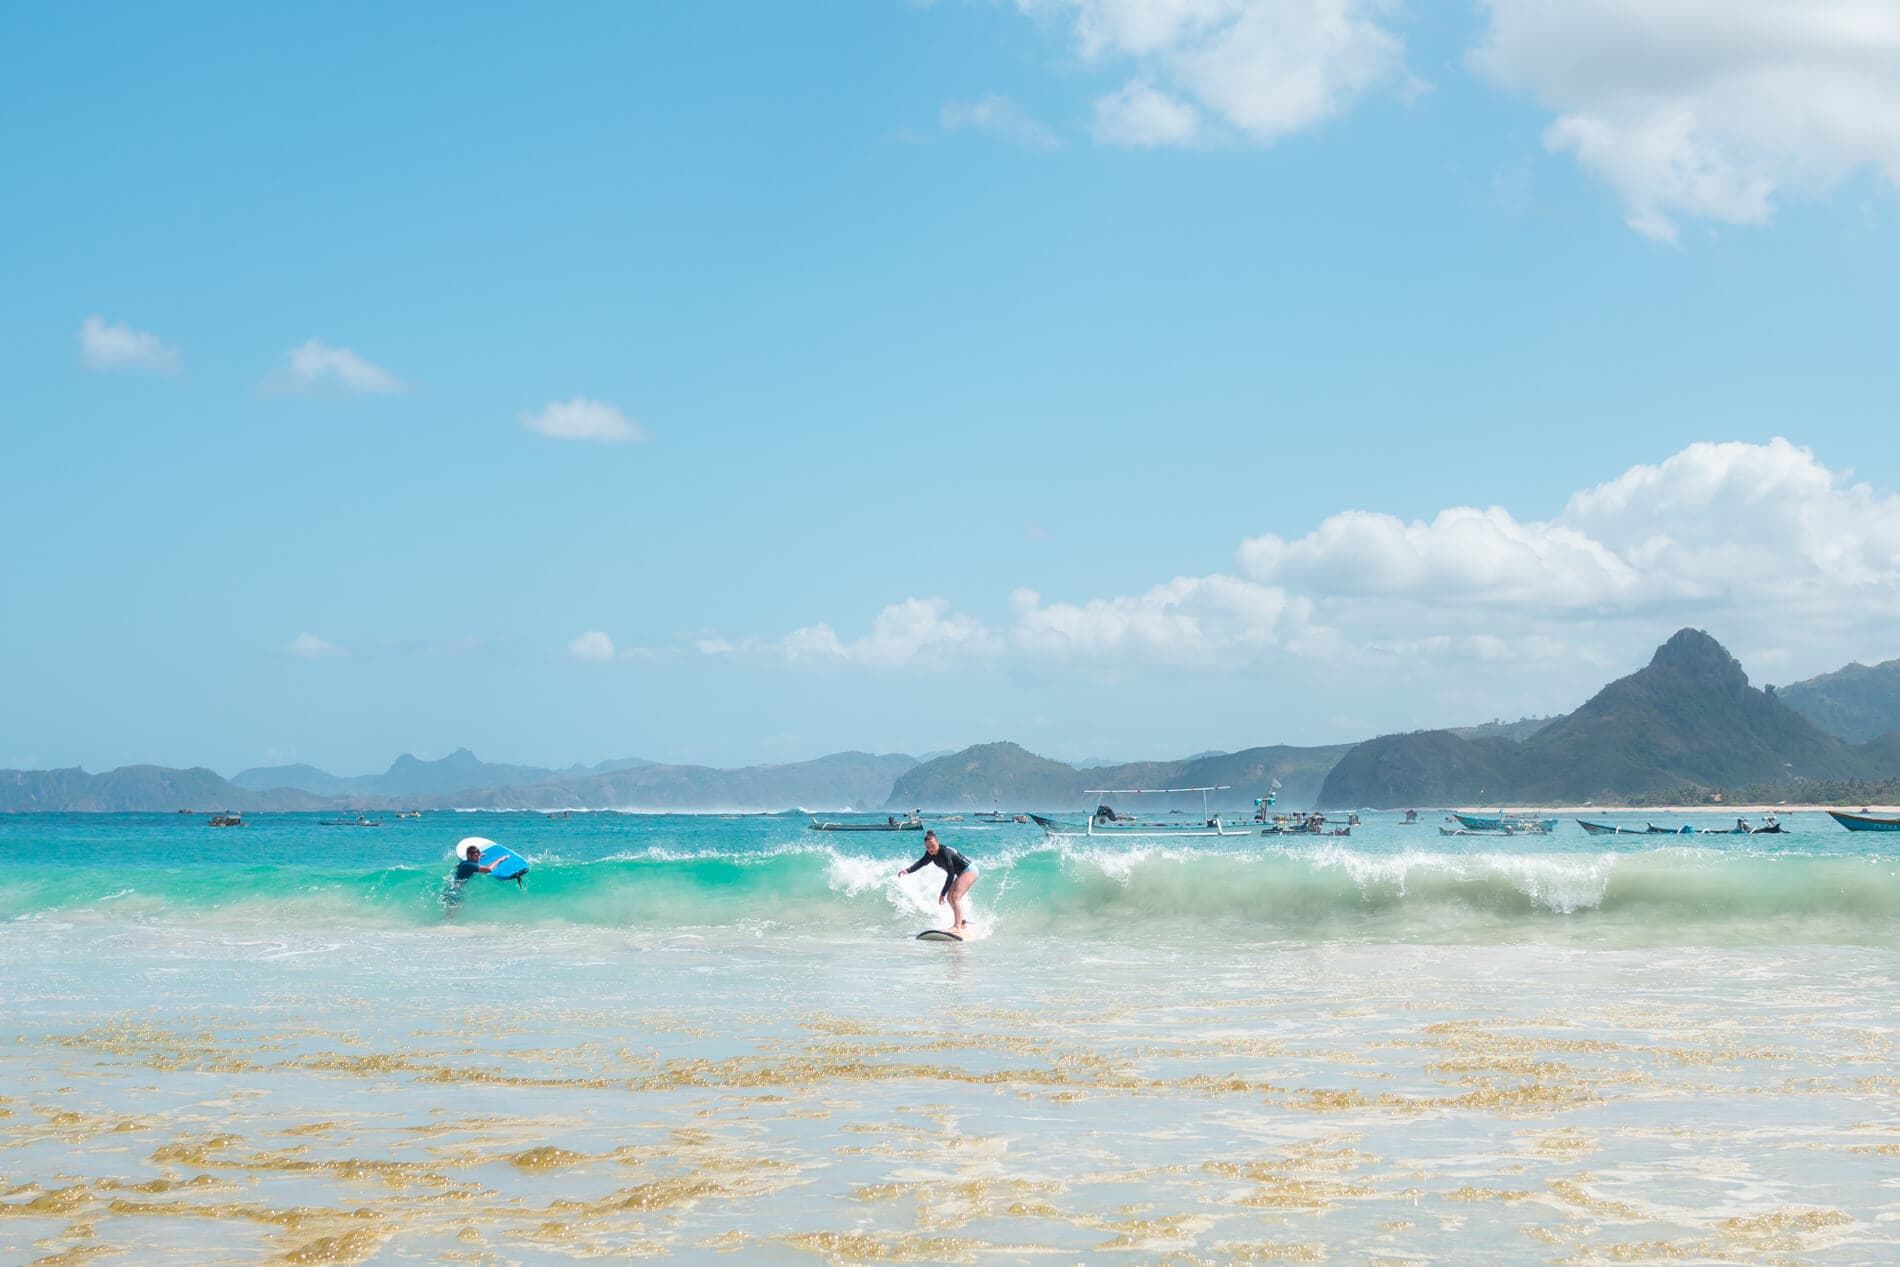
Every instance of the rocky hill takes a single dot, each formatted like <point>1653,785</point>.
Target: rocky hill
<point>1688,722</point>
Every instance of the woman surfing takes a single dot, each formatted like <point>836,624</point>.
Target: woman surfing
<point>959,875</point>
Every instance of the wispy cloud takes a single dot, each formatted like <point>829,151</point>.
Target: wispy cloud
<point>107,345</point>
<point>584,419</point>
<point>592,645</point>
<point>1257,69</point>
<point>311,647</point>
<point>1000,116</point>
<point>316,366</point>
<point>1141,115</point>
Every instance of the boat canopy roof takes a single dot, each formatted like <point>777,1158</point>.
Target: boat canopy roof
<point>1136,791</point>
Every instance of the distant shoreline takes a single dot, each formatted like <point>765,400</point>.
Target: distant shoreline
<point>1734,811</point>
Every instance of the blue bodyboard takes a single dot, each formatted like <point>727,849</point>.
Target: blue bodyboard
<point>508,863</point>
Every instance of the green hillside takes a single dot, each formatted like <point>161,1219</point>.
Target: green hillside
<point>137,789</point>
<point>1857,703</point>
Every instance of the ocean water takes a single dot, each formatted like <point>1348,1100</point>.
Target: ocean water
<point>715,1039</point>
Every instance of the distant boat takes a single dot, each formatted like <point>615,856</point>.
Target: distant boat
<point>1107,821</point>
<point>1605,829</point>
<point>1864,822</point>
<point>1517,824</point>
<point>227,820</point>
<point>1314,824</point>
<point>910,823</point>
<point>358,821</point>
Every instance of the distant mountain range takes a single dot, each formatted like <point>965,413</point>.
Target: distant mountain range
<point>1007,776</point>
<point>1688,724</point>
<point>409,776</point>
<point>137,789</point>
<point>843,780</point>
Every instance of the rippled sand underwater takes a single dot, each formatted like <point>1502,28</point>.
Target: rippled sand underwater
<point>719,1043</point>
<point>550,1095</point>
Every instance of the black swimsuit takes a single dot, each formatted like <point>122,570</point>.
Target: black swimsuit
<point>949,859</point>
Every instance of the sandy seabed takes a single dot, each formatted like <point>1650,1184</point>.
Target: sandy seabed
<point>536,1096</point>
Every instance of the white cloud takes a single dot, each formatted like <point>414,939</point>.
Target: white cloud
<point>1707,108</point>
<point>1001,116</point>
<point>1462,555</point>
<point>105,345</point>
<point>584,419</point>
<point>1722,535</point>
<point>315,366</point>
<point>1262,68</point>
<point>311,647</point>
<point>592,645</point>
<point>918,632</point>
<point>1208,622</point>
<point>1713,527</point>
<point>1142,115</point>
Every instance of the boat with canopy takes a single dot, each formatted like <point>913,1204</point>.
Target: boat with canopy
<point>1108,821</point>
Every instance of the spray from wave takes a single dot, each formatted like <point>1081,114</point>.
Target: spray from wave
<point>1065,889</point>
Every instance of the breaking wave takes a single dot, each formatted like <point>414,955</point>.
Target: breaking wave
<point>1684,894</point>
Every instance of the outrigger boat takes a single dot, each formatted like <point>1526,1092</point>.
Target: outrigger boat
<point>995,815</point>
<point>1769,827</point>
<point>1863,822</point>
<point>1510,824</point>
<point>1106,821</point>
<point>1307,825</point>
<point>910,823</point>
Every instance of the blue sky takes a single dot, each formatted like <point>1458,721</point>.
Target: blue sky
<point>1126,377</point>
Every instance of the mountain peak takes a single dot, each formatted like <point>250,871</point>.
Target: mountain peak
<point>1693,653</point>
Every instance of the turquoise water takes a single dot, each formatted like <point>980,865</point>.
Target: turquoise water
<point>711,872</point>
<point>714,1039</point>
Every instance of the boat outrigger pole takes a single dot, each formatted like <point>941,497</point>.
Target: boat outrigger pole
<point>1206,817</point>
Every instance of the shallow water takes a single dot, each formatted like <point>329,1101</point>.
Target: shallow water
<point>702,1037</point>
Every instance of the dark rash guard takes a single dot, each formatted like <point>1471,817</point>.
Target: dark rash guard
<point>953,863</point>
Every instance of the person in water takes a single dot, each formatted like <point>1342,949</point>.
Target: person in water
<point>959,875</point>
<point>465,869</point>
<point>472,865</point>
